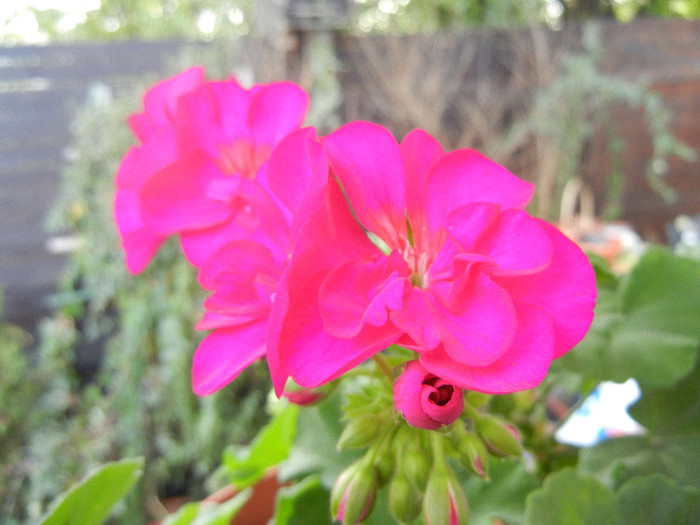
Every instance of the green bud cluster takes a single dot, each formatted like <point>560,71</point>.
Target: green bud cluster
<point>413,463</point>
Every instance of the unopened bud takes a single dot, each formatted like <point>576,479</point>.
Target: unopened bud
<point>445,502</point>
<point>384,465</point>
<point>358,433</point>
<point>501,438</point>
<point>352,496</point>
<point>473,454</point>
<point>404,500</point>
<point>416,465</point>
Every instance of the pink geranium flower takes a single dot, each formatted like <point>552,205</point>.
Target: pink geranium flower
<point>244,274</point>
<point>425,400</point>
<point>217,190</point>
<point>155,129</point>
<point>456,270</point>
<point>201,171</point>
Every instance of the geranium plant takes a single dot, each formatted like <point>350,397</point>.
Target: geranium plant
<point>401,287</point>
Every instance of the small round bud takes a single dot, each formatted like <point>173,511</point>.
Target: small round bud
<point>501,438</point>
<point>444,502</point>
<point>473,454</point>
<point>404,500</point>
<point>352,496</point>
<point>359,432</point>
<point>416,465</point>
<point>384,465</point>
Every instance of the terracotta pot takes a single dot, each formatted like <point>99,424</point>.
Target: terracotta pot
<point>259,508</point>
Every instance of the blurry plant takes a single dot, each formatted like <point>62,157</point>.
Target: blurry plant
<point>150,19</point>
<point>574,106</point>
<point>426,16</point>
<point>142,403</point>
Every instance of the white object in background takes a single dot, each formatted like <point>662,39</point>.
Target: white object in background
<point>602,415</point>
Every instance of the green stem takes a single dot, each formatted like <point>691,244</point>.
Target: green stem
<point>384,366</point>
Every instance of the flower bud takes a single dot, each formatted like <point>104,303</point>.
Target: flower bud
<point>425,400</point>
<point>473,454</point>
<point>359,432</point>
<point>384,465</point>
<point>416,466</point>
<point>353,494</point>
<point>305,396</point>
<point>404,499</point>
<point>444,502</point>
<point>501,438</point>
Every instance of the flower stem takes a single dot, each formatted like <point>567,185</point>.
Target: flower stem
<point>384,366</point>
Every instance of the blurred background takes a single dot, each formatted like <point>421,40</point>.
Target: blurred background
<point>596,101</point>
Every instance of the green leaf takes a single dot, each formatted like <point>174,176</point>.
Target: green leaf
<point>208,513</point>
<point>653,357</point>
<point>656,499</point>
<point>315,450</point>
<point>676,410</point>
<point>304,503</point>
<point>664,289</point>
<point>90,502</point>
<point>502,497</point>
<point>570,498</point>
<point>648,328</point>
<point>247,465</point>
<point>614,461</point>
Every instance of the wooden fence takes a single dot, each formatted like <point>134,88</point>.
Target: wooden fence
<point>436,84</point>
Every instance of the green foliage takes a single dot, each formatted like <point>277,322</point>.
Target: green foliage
<point>570,498</point>
<point>209,513</point>
<point>646,327</point>
<point>654,499</point>
<point>305,503</point>
<point>246,465</point>
<point>89,502</point>
<point>504,498</point>
<point>150,19</point>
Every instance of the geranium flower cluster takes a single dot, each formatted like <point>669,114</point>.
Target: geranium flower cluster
<point>321,251</point>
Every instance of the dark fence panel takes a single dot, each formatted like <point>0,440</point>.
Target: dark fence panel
<point>40,89</point>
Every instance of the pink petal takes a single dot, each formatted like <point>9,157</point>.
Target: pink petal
<point>161,102</point>
<point>408,393</point>
<point>465,176</point>
<point>417,319</point>
<point>311,356</point>
<point>565,290</point>
<point>224,353</point>
<point>139,242</point>
<point>473,318</point>
<point>213,320</point>
<point>176,198</point>
<point>367,160</point>
<point>297,174</point>
<point>447,413</point>
<point>517,244</point>
<point>523,366</point>
<point>237,263</point>
<point>330,238</point>
<point>199,245</point>
<point>468,223</point>
<point>213,115</point>
<point>355,294</point>
<point>419,151</point>
<point>276,110</point>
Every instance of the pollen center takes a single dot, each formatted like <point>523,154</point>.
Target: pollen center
<point>243,158</point>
